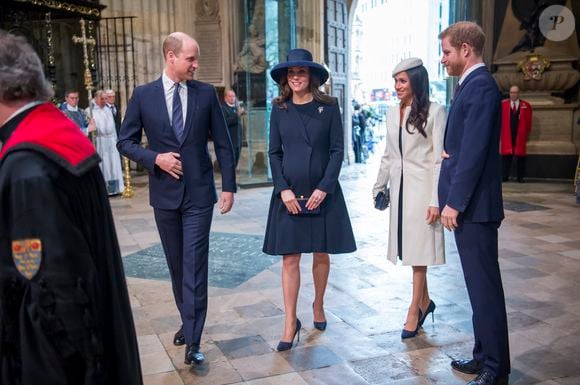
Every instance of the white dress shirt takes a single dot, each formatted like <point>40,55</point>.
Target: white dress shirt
<point>169,89</point>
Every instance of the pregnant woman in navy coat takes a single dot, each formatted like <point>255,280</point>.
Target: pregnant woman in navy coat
<point>307,210</point>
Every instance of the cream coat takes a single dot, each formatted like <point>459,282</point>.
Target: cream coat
<point>423,244</point>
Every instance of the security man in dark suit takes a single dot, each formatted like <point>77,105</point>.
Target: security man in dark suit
<point>470,197</point>
<point>178,114</point>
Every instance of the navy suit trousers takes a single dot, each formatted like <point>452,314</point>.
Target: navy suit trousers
<point>477,246</point>
<point>184,235</point>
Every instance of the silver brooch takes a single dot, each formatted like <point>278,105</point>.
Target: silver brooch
<point>320,109</point>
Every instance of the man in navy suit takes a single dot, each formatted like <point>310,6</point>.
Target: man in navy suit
<point>177,114</point>
<point>470,197</point>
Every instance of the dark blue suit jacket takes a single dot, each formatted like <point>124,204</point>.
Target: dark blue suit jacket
<point>470,179</point>
<point>147,110</point>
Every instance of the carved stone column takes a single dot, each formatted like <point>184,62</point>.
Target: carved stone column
<point>310,28</point>
<point>208,34</point>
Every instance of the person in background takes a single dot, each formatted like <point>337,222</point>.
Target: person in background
<point>110,99</point>
<point>107,145</point>
<point>71,109</point>
<point>65,316</point>
<point>516,125</point>
<point>410,166</point>
<point>470,197</point>
<point>358,133</point>
<point>232,113</point>
<point>307,212</point>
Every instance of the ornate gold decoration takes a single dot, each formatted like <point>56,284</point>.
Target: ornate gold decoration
<point>51,66</point>
<point>49,38</point>
<point>533,66</point>
<point>87,74</point>
<point>95,12</point>
<point>128,191</point>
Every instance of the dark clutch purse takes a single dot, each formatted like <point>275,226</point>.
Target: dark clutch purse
<point>304,211</point>
<point>382,199</point>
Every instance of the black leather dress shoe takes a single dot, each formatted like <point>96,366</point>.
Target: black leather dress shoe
<point>179,338</point>
<point>467,366</point>
<point>193,355</point>
<point>488,378</point>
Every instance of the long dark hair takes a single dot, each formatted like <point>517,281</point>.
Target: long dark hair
<point>419,79</point>
<point>314,83</point>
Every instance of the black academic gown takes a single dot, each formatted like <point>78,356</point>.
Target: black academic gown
<point>71,322</point>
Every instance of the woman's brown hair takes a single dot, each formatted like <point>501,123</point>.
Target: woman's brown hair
<point>286,92</point>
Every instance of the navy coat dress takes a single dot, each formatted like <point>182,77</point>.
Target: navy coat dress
<point>306,153</point>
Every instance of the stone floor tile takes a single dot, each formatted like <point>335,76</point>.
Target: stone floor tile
<point>167,378</point>
<point>341,374</point>
<point>266,365</point>
<point>383,370</point>
<point>555,238</point>
<point>311,357</point>
<point>244,347</point>
<point>568,381</point>
<point>449,377</point>
<point>425,361</point>
<point>284,379</point>
<point>155,362</point>
<point>217,372</point>
<point>258,310</point>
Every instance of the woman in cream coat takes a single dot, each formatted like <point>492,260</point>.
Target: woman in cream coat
<point>415,232</point>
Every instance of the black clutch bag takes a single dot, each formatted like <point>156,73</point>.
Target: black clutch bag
<point>382,200</point>
<point>304,211</point>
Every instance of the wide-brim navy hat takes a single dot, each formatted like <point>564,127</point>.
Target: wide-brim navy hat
<point>299,57</point>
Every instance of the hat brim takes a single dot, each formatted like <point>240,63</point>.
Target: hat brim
<point>281,69</point>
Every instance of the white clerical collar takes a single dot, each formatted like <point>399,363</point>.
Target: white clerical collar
<point>71,108</point>
<point>470,70</point>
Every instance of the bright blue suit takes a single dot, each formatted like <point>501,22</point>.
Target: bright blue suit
<point>470,182</point>
<point>183,208</point>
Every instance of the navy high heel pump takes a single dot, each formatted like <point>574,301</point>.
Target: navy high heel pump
<point>319,325</point>
<point>430,309</point>
<point>283,345</point>
<point>412,333</point>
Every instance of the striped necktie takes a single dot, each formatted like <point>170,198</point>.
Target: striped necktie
<point>177,114</point>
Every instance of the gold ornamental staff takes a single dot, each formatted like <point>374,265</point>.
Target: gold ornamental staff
<point>87,75</point>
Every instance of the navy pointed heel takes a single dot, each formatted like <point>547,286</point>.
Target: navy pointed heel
<point>283,345</point>
<point>412,333</point>
<point>430,309</point>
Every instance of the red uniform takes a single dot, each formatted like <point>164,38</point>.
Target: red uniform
<point>524,128</point>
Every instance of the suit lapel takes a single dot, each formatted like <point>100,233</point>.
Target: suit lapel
<point>191,109</point>
<point>457,98</point>
<point>160,96</point>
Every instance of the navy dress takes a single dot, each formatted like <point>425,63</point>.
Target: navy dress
<point>306,153</point>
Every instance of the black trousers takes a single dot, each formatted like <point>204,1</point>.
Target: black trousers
<point>520,166</point>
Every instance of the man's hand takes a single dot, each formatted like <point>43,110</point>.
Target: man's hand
<point>170,163</point>
<point>444,155</point>
<point>449,218</point>
<point>226,201</point>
